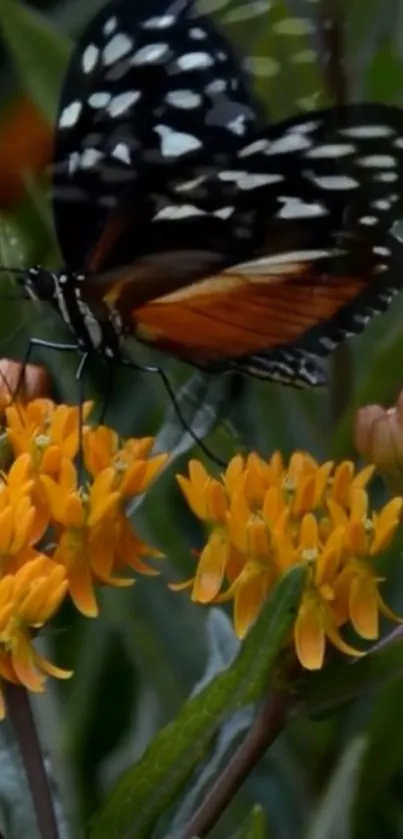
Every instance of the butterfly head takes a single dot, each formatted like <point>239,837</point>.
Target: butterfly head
<point>40,283</point>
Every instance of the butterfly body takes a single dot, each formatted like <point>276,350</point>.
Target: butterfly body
<point>186,221</point>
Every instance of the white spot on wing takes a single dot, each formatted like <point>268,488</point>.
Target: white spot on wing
<point>292,141</point>
<point>382,204</point>
<point>254,148</point>
<point>333,181</point>
<point>149,54</point>
<point>90,157</point>
<point>367,132</point>
<point>224,212</point>
<point>116,48</point>
<point>122,152</point>
<point>295,208</point>
<point>70,115</point>
<point>186,185</point>
<point>161,22</point>
<point>195,61</point>
<point>378,161</point>
<point>99,100</point>
<point>110,25</point>
<point>368,220</point>
<point>217,86</point>
<point>197,33</point>
<point>173,212</point>
<point>120,103</point>
<point>386,177</point>
<point>331,150</point>
<point>74,161</point>
<point>249,180</point>
<point>185,99</point>
<point>381,251</point>
<point>89,59</point>
<point>175,143</point>
<point>285,259</point>
<point>237,125</point>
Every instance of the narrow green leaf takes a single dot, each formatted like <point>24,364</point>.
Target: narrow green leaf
<point>331,820</point>
<point>143,792</point>
<point>39,51</point>
<point>344,681</point>
<point>256,825</point>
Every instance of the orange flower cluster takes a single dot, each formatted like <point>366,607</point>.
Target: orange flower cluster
<point>264,517</point>
<point>91,538</point>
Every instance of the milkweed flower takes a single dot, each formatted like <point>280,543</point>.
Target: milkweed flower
<point>264,517</point>
<point>94,539</point>
<point>28,599</point>
<point>48,432</point>
<point>133,472</point>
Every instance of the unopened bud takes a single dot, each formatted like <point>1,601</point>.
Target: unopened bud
<point>379,436</point>
<point>21,383</point>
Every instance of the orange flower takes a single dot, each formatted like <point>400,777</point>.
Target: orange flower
<point>265,517</point>
<point>48,432</point>
<point>134,469</point>
<point>94,537</point>
<point>28,599</point>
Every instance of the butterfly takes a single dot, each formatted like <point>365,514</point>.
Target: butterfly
<point>188,221</point>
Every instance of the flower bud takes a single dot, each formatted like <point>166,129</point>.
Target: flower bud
<point>379,436</point>
<point>21,382</point>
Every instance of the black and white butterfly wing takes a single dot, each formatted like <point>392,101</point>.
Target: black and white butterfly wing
<point>153,93</point>
<point>312,203</point>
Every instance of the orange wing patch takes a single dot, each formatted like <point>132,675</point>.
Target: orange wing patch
<point>245,310</point>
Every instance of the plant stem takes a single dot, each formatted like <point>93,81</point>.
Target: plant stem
<point>20,714</point>
<point>267,725</point>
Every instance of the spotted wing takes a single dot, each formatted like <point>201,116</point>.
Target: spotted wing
<point>307,215</point>
<point>153,94</point>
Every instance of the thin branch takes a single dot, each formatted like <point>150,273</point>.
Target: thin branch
<point>21,717</point>
<point>267,725</point>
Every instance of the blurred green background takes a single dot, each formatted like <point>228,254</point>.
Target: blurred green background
<point>329,778</point>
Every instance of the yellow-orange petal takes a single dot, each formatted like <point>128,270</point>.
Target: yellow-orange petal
<point>74,512</point>
<point>233,473</point>
<point>51,460</point>
<point>195,496</point>
<point>304,497</point>
<point>309,634</point>
<point>23,664</point>
<point>363,606</point>
<point>211,568</point>
<point>81,587</point>
<point>153,467</point>
<point>51,669</point>
<point>248,601</point>
<point>309,535</point>
<point>182,586</point>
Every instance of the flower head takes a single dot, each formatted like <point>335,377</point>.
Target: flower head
<point>28,599</point>
<point>48,432</point>
<point>264,517</point>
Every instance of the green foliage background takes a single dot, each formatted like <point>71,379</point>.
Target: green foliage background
<point>331,777</point>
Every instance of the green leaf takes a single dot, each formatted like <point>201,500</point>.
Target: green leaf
<point>333,818</point>
<point>144,791</point>
<point>344,681</point>
<point>256,825</point>
<point>39,51</point>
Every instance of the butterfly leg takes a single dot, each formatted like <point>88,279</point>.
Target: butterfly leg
<point>158,371</point>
